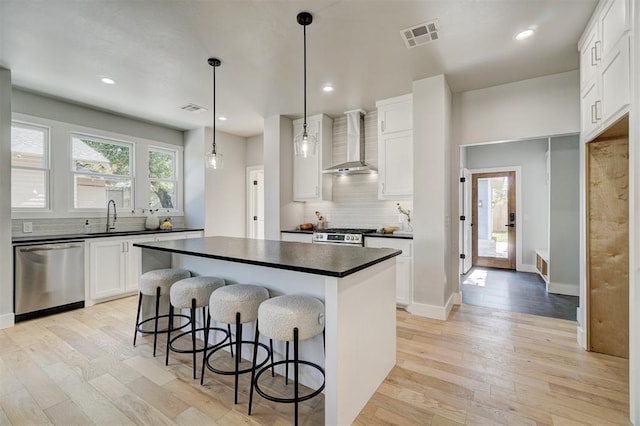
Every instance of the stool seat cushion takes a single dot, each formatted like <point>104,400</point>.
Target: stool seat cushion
<point>244,298</point>
<point>163,278</point>
<point>198,288</point>
<point>278,316</point>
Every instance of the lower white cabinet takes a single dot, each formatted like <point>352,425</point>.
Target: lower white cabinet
<point>113,264</point>
<point>294,236</point>
<point>404,264</point>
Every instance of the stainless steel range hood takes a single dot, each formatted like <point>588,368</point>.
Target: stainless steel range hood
<point>355,147</point>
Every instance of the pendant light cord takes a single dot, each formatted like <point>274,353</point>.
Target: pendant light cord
<point>304,28</point>
<point>214,111</point>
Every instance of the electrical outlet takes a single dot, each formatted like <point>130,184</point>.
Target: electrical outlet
<point>27,227</point>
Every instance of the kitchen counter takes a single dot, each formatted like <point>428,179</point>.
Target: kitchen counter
<point>297,231</point>
<point>394,235</point>
<point>356,284</point>
<point>69,237</point>
<point>319,259</point>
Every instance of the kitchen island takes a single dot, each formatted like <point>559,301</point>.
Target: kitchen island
<point>356,284</point>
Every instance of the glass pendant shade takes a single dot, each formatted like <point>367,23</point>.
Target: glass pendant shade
<point>305,144</point>
<point>214,161</point>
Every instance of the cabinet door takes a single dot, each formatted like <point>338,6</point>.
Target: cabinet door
<point>292,236</point>
<point>403,280</point>
<point>614,21</point>
<point>306,170</point>
<point>615,83</point>
<point>588,58</point>
<point>589,111</point>
<point>395,168</point>
<point>108,266</point>
<point>395,117</point>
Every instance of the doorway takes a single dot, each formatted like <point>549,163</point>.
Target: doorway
<point>494,219</point>
<point>255,202</point>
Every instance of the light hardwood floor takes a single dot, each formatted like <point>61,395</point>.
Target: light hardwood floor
<point>482,366</point>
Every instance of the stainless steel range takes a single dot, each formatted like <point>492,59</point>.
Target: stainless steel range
<point>340,236</point>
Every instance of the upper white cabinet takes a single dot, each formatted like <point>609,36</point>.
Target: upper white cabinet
<point>309,183</point>
<point>395,148</point>
<point>605,67</point>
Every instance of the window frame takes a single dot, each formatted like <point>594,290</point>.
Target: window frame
<point>47,169</point>
<point>72,173</point>
<point>175,152</point>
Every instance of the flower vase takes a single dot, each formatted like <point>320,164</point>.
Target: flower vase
<point>152,222</point>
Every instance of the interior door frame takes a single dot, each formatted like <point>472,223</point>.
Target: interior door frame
<point>519,217</point>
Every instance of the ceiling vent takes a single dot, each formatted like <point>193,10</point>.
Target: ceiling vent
<point>421,34</point>
<point>193,108</point>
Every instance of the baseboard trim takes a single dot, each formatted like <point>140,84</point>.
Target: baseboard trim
<point>562,288</point>
<point>7,320</point>
<point>581,338</point>
<point>527,268</point>
<point>433,311</point>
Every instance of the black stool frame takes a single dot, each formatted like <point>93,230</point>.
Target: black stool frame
<point>238,355</point>
<point>192,332</point>
<point>155,332</point>
<point>296,362</point>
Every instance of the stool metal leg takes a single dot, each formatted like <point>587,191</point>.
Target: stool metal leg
<point>295,373</point>
<point>271,349</point>
<point>166,357</point>
<point>230,347</point>
<point>206,341</point>
<point>155,334</point>
<point>253,365</point>
<point>193,334</point>
<point>238,353</point>
<point>286,364</point>
<point>135,332</point>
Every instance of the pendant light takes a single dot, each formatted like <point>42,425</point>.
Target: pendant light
<point>214,160</point>
<point>305,143</point>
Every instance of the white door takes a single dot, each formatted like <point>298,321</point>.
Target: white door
<point>466,224</point>
<point>255,202</point>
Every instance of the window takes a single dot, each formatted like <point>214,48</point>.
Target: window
<point>29,167</point>
<point>163,183</point>
<point>102,171</point>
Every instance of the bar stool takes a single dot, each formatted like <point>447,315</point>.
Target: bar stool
<point>288,318</point>
<point>191,293</point>
<point>234,304</point>
<point>156,283</point>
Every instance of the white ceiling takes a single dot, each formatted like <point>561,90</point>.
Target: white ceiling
<point>157,52</point>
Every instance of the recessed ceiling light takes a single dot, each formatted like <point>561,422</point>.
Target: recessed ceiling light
<point>107,80</point>
<point>327,88</point>
<point>524,34</point>
<point>222,117</point>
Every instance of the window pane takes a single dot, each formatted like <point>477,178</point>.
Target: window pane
<point>91,156</point>
<point>162,195</point>
<point>161,164</point>
<point>28,189</point>
<point>95,192</point>
<point>28,147</point>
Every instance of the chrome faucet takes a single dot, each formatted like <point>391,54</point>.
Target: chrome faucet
<point>115,216</point>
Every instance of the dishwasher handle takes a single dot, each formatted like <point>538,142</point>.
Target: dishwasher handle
<point>49,247</point>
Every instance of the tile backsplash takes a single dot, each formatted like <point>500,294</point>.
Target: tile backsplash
<point>76,225</point>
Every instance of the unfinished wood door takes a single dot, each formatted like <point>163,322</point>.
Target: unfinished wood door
<point>494,219</point>
<point>608,246</point>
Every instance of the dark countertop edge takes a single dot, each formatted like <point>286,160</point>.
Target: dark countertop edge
<point>402,237</point>
<point>68,237</point>
<point>274,265</point>
<point>296,231</point>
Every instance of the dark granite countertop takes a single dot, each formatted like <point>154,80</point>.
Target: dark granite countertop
<point>69,237</point>
<point>319,259</point>
<point>397,236</point>
<point>297,231</point>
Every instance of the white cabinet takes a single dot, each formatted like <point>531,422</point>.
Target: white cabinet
<point>294,236</point>
<point>113,267</point>
<point>404,264</point>
<point>605,68</point>
<point>309,183</point>
<point>395,148</point>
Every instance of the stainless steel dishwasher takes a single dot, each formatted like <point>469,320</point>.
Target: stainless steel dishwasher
<point>48,278</point>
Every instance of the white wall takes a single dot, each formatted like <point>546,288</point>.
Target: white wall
<point>225,199</point>
<point>255,151</point>
<point>6,253</point>
<point>281,212</point>
<point>431,171</point>
<point>195,148</point>
<point>53,109</point>
<point>538,107</point>
<point>531,157</point>
<point>564,215</point>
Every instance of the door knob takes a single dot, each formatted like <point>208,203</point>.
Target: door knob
<point>511,225</point>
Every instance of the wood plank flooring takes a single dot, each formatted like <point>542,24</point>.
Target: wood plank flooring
<point>482,366</point>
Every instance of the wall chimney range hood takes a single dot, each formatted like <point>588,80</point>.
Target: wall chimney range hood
<point>355,147</point>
